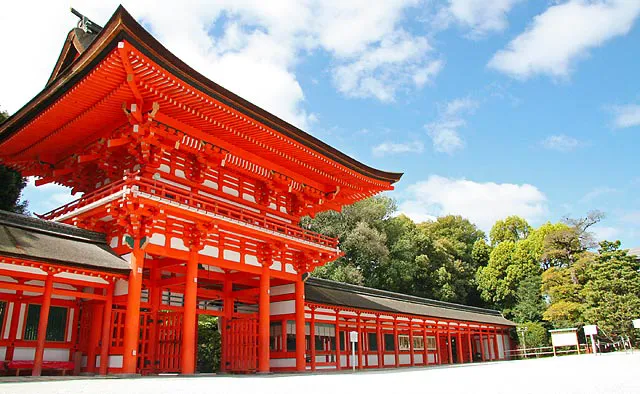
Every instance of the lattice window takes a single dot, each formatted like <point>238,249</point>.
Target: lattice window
<point>431,343</point>
<point>56,324</point>
<point>418,343</point>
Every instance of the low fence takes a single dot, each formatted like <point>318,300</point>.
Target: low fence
<point>546,351</point>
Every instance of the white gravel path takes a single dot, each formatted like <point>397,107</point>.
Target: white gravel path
<point>609,373</point>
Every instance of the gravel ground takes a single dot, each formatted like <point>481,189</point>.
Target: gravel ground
<point>609,373</point>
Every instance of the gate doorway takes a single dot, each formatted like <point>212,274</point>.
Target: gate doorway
<point>240,344</point>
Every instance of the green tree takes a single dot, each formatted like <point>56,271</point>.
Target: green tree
<point>529,302</point>
<point>513,228</point>
<point>612,290</point>
<point>12,184</point>
<point>209,344</point>
<point>536,334</point>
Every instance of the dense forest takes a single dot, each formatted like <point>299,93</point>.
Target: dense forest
<point>553,276</point>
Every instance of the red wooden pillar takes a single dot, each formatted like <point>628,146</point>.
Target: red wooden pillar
<point>495,344</point>
<point>42,326</point>
<point>338,334</point>
<point>105,342</point>
<point>411,350</point>
<point>449,347</point>
<point>484,358</point>
<point>94,336</point>
<point>13,329</point>
<point>132,315</point>
<point>424,344</point>
<point>263,319</point>
<point>380,341</point>
<point>312,340</point>
<point>438,356</point>
<point>395,342</point>
<point>189,320</point>
<point>469,342</point>
<point>301,364</point>
<point>228,309</point>
<point>360,342</point>
<point>459,346</point>
<point>155,298</point>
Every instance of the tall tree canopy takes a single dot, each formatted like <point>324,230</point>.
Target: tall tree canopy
<point>12,184</point>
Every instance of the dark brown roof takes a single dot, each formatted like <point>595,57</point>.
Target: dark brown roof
<point>329,292</point>
<point>122,26</point>
<point>42,240</point>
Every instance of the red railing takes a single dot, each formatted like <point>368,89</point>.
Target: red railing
<point>161,190</point>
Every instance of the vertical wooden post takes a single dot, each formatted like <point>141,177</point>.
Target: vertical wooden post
<point>13,329</point>
<point>395,342</point>
<point>42,325</point>
<point>228,309</point>
<point>155,299</point>
<point>411,350</point>
<point>94,336</point>
<point>380,340</point>
<point>301,363</point>
<point>449,345</point>
<point>338,334</point>
<point>312,340</point>
<point>132,315</point>
<point>189,320</point>
<point>360,342</point>
<point>495,344</point>
<point>106,331</point>
<point>484,358</point>
<point>459,346</point>
<point>263,318</point>
<point>469,342</point>
<point>424,343</point>
<point>438,355</point>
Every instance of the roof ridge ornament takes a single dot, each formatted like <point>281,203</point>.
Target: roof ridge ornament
<point>86,24</point>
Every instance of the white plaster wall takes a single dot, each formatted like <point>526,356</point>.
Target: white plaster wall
<point>3,352</point>
<point>500,346</point>
<point>405,359</point>
<point>121,287</point>
<point>418,358</point>
<point>389,359</point>
<point>24,353</point>
<point>116,361</point>
<point>372,359</point>
<point>282,307</point>
<point>283,289</point>
<point>431,358</point>
<point>282,362</point>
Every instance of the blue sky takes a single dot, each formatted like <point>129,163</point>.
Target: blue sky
<point>490,108</point>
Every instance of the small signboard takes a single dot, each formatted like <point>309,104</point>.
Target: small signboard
<point>636,323</point>
<point>353,336</point>
<point>591,329</point>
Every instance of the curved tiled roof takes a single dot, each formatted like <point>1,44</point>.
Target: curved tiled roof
<point>42,240</point>
<point>334,293</point>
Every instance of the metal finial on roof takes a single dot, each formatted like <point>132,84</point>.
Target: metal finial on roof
<point>86,24</point>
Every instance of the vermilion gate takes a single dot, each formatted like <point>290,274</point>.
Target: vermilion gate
<point>241,344</point>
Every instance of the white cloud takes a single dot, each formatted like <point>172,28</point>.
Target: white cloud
<point>387,148</point>
<point>626,115</point>
<point>480,16</point>
<point>254,51</point>
<point>398,61</point>
<point>564,33</point>
<point>560,142</point>
<point>481,202</point>
<point>597,193</point>
<point>444,132</point>
<point>607,233</point>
